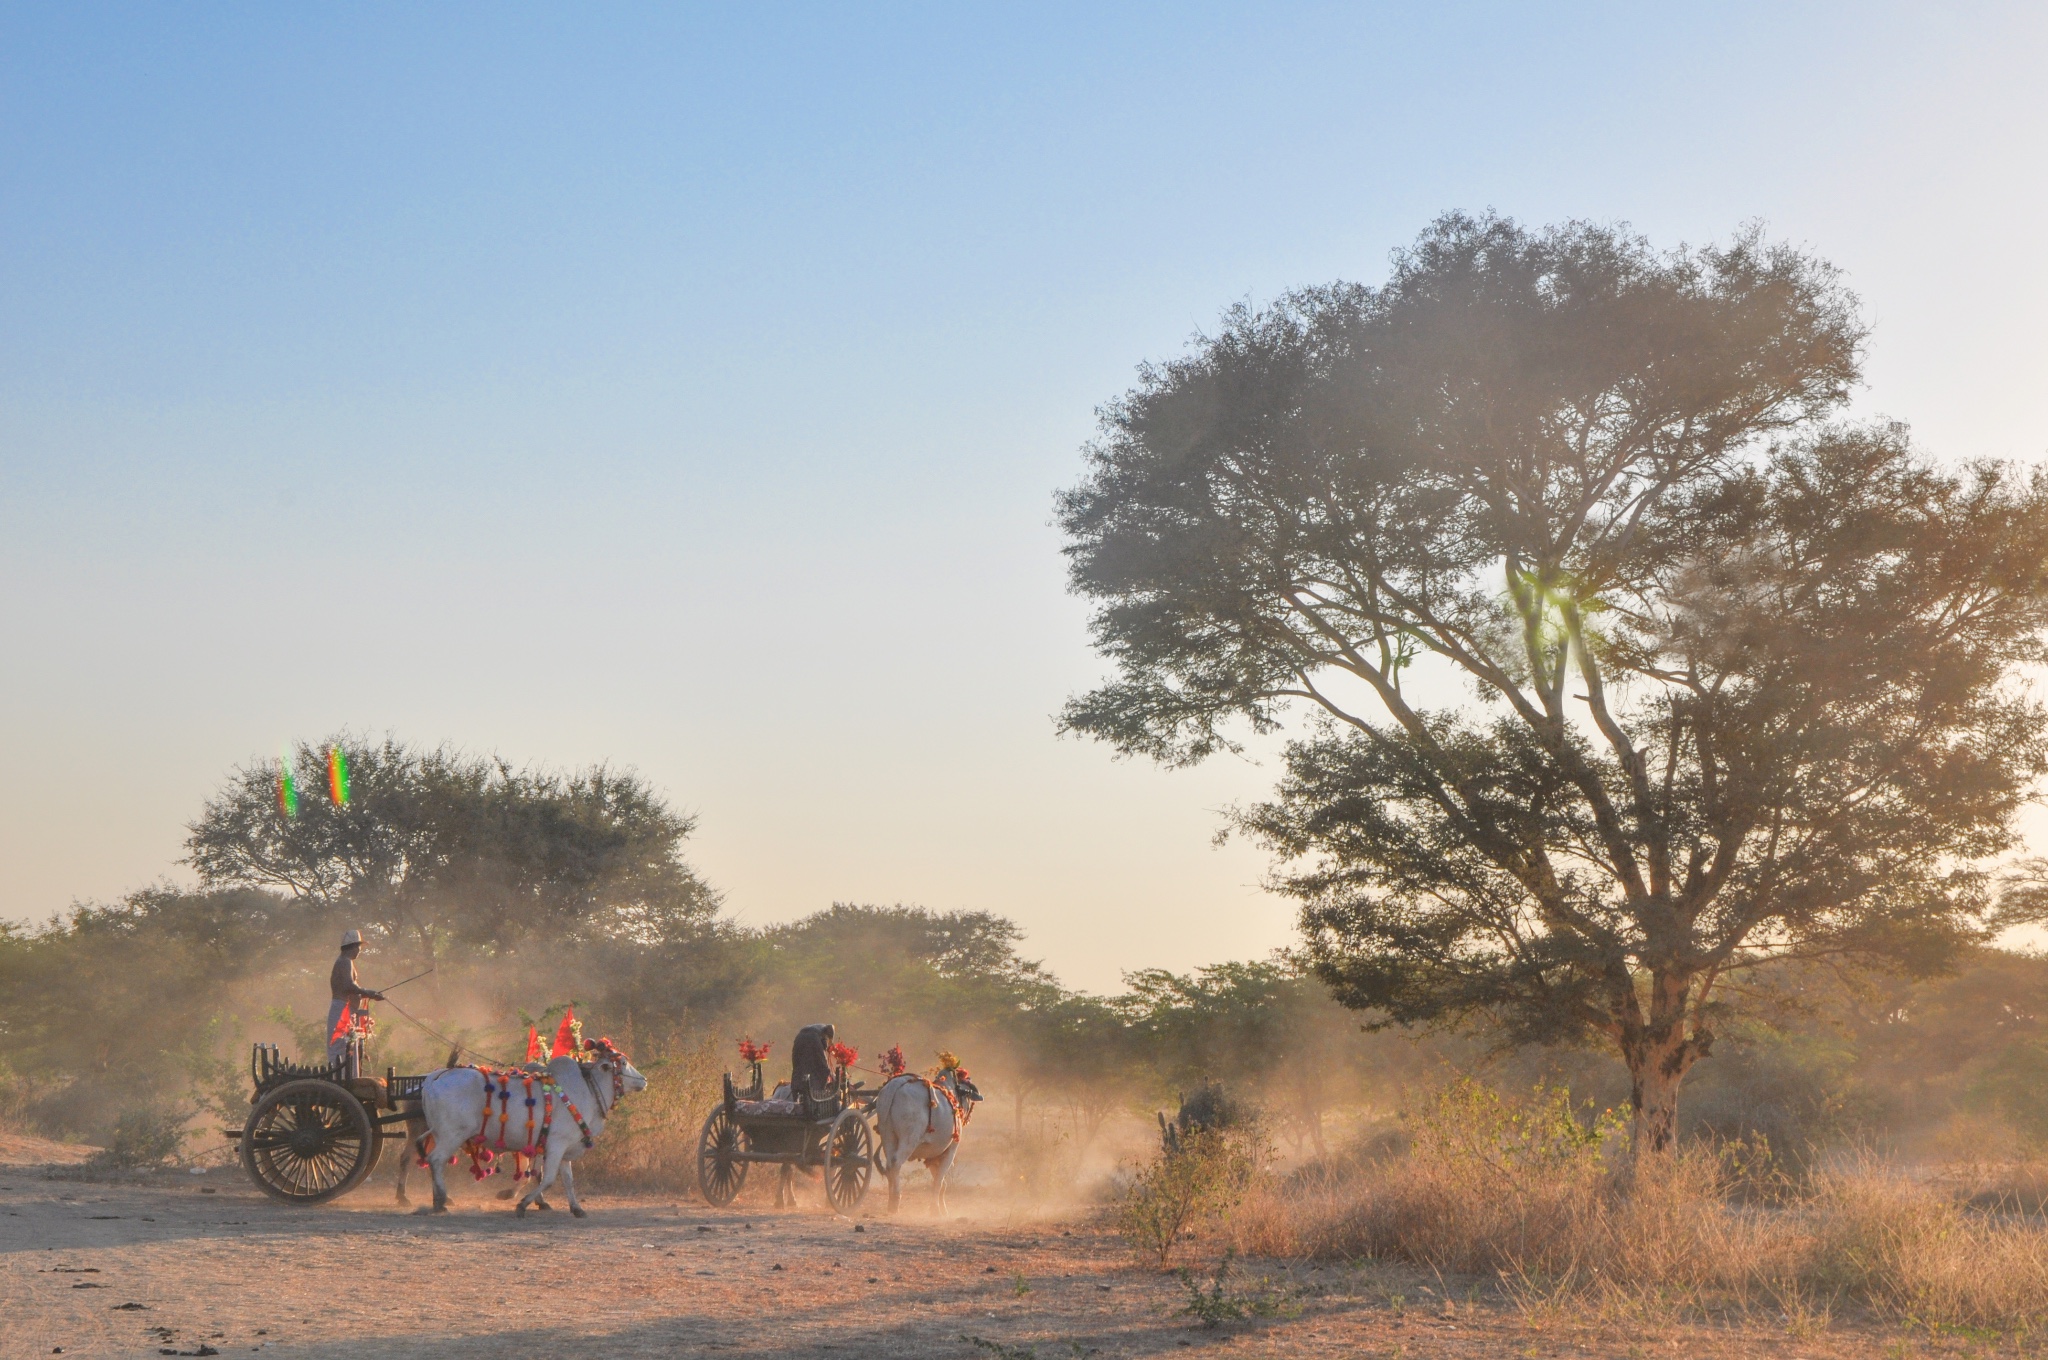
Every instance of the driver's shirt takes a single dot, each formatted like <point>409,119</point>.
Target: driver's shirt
<point>342,981</point>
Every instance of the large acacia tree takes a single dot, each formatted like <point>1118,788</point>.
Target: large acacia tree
<point>1625,671</point>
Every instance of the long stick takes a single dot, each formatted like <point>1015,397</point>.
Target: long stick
<point>414,978</point>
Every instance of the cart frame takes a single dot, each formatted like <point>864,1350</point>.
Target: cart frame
<point>317,1130</point>
<point>833,1130</point>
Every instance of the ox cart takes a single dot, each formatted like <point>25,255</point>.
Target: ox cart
<point>833,1130</point>
<point>317,1130</point>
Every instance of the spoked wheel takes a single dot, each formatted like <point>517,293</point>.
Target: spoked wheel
<point>308,1141</point>
<point>720,1172</point>
<point>375,1155</point>
<point>849,1160</point>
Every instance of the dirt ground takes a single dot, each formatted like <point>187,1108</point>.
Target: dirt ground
<point>198,1265</point>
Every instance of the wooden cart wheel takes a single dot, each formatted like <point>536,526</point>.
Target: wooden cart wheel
<point>720,1173</point>
<point>308,1141</point>
<point>849,1160</point>
<point>378,1137</point>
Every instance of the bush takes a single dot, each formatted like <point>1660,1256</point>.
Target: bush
<point>14,1095</point>
<point>1202,1176</point>
<point>145,1136</point>
<point>1223,1302</point>
<point>2014,1085</point>
<point>651,1137</point>
<point>1487,1181</point>
<point>1208,1106</point>
<point>1527,1192</point>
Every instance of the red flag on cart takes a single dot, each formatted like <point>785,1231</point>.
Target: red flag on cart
<point>532,1044</point>
<point>564,1042</point>
<point>347,1023</point>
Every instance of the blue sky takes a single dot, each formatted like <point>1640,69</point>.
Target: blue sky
<point>687,388</point>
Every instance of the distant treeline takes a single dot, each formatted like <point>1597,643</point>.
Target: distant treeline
<point>526,891</point>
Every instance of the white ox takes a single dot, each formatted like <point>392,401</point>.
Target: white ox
<point>921,1120</point>
<point>452,1101</point>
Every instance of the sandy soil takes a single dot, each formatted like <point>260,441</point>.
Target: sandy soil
<point>180,1263</point>
<point>20,1149</point>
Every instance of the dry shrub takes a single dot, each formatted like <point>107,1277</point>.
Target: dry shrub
<point>2019,1186</point>
<point>143,1137</point>
<point>1486,1181</point>
<point>1914,1252</point>
<point>651,1138</point>
<point>1506,1189</point>
<point>1200,1176</point>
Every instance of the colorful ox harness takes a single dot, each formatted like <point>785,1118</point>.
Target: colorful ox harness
<point>498,1085</point>
<point>933,1089</point>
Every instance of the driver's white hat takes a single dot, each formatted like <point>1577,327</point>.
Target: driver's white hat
<point>350,937</point>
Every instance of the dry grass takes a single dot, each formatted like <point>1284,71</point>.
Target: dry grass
<point>651,1140</point>
<point>1519,1192</point>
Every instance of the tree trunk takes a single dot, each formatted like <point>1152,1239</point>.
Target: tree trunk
<point>1655,1072</point>
<point>1658,1055</point>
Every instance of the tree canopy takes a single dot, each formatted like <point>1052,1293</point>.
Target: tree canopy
<point>435,847</point>
<point>1633,671</point>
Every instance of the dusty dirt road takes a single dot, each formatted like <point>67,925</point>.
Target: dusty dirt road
<point>199,1265</point>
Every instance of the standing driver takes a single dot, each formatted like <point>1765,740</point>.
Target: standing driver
<point>348,993</point>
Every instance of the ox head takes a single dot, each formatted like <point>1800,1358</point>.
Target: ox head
<point>964,1089</point>
<point>625,1077</point>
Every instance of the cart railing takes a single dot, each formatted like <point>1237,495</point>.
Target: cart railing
<point>268,1068</point>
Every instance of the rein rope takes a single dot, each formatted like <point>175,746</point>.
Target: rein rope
<point>436,1034</point>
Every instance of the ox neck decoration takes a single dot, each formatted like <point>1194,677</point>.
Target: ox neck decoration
<point>935,1088</point>
<point>609,1059</point>
<point>588,1080</point>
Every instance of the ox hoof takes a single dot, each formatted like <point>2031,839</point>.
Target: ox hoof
<point>577,1210</point>
<point>543,1204</point>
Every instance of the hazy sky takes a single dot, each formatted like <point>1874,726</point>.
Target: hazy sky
<point>687,388</point>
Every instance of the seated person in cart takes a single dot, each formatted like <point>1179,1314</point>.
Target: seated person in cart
<point>810,1061</point>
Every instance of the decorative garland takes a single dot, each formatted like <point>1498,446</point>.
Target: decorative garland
<point>936,1082</point>
<point>581,1127</point>
<point>483,1157</point>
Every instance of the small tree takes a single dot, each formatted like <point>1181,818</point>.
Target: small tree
<point>1742,683</point>
<point>1201,1176</point>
